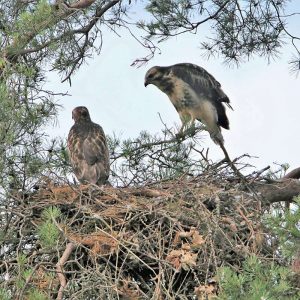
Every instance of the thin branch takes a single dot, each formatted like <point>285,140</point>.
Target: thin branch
<point>59,268</point>
<point>81,4</point>
<point>99,13</point>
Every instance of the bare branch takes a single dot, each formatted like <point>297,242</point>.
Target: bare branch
<point>59,268</point>
<point>282,191</point>
<point>82,4</point>
<point>295,174</point>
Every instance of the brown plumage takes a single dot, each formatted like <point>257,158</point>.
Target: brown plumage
<point>195,94</point>
<point>88,149</point>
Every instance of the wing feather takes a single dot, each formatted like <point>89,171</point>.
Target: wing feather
<point>201,81</point>
<point>94,146</point>
<point>89,155</point>
<point>206,86</point>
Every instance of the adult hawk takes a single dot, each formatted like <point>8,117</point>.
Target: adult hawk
<point>196,95</point>
<point>88,148</point>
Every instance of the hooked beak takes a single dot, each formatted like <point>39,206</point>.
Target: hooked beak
<point>146,83</point>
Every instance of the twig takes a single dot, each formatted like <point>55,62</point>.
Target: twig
<point>28,279</point>
<point>233,167</point>
<point>59,269</point>
<point>258,173</point>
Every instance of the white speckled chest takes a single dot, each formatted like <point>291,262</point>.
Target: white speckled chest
<point>188,103</point>
<point>183,97</point>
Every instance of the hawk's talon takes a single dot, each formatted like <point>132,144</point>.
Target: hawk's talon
<point>180,135</point>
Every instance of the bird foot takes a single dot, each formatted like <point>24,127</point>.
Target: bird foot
<point>190,131</point>
<point>180,135</point>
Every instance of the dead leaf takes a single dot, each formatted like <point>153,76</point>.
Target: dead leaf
<point>186,246</point>
<point>174,258</point>
<point>188,260</point>
<point>182,259</point>
<point>101,243</point>
<point>204,292</point>
<point>43,281</point>
<point>128,289</point>
<point>196,240</point>
<point>231,223</point>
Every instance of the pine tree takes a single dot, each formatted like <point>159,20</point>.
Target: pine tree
<point>134,240</point>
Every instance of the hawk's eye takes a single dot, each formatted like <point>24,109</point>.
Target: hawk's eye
<point>151,76</point>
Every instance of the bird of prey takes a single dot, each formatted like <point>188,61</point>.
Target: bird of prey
<point>88,149</point>
<point>196,95</point>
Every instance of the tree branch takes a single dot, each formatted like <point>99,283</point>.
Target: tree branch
<point>82,4</point>
<point>99,13</point>
<point>281,191</point>
<point>12,52</point>
<point>59,269</point>
<point>295,174</point>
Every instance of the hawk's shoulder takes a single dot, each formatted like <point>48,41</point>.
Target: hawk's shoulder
<point>188,68</point>
<point>202,82</point>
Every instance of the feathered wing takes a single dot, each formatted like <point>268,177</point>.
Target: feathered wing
<point>206,85</point>
<point>89,153</point>
<point>74,146</point>
<point>96,154</point>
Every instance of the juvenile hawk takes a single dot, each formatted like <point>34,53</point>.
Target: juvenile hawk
<point>196,95</point>
<point>88,148</point>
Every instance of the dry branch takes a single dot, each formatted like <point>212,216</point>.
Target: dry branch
<point>295,174</point>
<point>82,4</point>
<point>281,191</point>
<point>165,240</point>
<point>59,268</point>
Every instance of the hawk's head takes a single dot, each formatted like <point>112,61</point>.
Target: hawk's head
<point>162,77</point>
<point>159,76</point>
<point>80,113</point>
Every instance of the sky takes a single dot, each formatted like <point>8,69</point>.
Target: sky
<point>265,122</point>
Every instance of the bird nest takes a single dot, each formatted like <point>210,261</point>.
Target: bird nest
<point>164,241</point>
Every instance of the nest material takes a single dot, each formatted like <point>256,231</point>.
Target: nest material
<point>161,242</point>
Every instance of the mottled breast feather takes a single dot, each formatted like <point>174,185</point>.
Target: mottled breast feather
<point>89,153</point>
<point>206,85</point>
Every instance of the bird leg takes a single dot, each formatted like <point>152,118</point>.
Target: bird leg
<point>216,136</point>
<point>230,162</point>
<point>187,127</point>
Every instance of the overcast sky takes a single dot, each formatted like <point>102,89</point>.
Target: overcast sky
<point>265,97</point>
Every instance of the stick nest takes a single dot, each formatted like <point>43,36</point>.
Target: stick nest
<point>164,241</point>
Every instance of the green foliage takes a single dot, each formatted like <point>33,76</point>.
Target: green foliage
<point>22,139</point>
<point>48,231</point>
<point>38,36</point>
<point>26,28</point>
<point>51,213</point>
<point>257,280</point>
<point>149,158</point>
<point>239,29</point>
<point>35,294</point>
<point>48,234</point>
<point>264,280</point>
<point>286,227</point>
<point>22,260</point>
<point>27,273</point>
<point>4,294</point>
